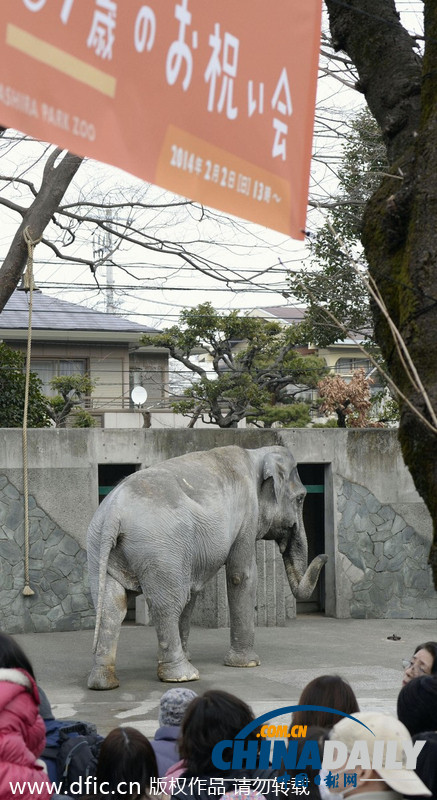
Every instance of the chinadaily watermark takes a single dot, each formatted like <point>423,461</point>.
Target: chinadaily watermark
<point>286,753</point>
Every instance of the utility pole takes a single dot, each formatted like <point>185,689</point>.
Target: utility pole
<point>102,247</point>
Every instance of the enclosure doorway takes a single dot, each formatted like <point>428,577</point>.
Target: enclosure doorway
<point>313,478</point>
<point>109,476</point>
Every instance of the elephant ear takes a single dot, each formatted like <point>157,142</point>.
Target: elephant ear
<point>274,467</point>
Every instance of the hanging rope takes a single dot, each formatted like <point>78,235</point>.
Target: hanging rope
<point>28,285</point>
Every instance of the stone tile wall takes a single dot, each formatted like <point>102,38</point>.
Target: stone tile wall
<point>58,573</point>
<point>382,559</point>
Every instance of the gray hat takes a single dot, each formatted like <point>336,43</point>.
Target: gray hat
<point>173,704</point>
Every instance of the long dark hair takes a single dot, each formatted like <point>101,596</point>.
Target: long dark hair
<point>214,716</point>
<point>12,656</point>
<point>326,690</point>
<point>126,758</point>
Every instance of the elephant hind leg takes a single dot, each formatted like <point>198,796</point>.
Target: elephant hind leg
<point>103,674</point>
<point>173,664</point>
<point>184,623</point>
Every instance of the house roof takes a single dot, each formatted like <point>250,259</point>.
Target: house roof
<point>51,314</point>
<point>290,314</point>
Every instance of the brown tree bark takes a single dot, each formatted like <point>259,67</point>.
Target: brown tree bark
<point>55,181</point>
<point>400,222</point>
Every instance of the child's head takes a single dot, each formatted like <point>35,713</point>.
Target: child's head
<point>173,704</point>
<point>126,764</point>
<point>12,656</point>
<point>330,691</point>
<point>210,718</point>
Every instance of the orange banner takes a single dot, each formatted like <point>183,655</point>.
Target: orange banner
<point>214,101</point>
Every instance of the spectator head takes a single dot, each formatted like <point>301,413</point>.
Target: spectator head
<point>126,758</point>
<point>330,691</point>
<point>12,656</point>
<point>417,704</point>
<point>213,716</point>
<point>422,662</point>
<point>173,705</point>
<point>380,727</point>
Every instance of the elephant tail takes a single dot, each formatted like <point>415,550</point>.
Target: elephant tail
<point>108,539</point>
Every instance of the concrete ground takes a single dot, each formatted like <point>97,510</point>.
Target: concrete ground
<point>311,645</point>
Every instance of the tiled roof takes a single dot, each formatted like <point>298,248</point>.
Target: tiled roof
<point>286,313</point>
<point>49,313</point>
<point>294,314</point>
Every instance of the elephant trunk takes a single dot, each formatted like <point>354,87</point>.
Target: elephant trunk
<point>301,577</point>
<point>302,584</point>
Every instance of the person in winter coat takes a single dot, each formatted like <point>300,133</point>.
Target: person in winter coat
<point>172,708</point>
<point>210,718</point>
<point>22,731</point>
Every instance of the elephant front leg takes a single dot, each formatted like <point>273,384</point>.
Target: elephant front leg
<point>173,663</point>
<point>103,674</point>
<point>241,579</point>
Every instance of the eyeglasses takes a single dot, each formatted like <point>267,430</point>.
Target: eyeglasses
<point>409,663</point>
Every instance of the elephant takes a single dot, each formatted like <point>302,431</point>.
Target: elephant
<point>166,530</point>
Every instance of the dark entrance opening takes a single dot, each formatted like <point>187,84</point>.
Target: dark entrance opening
<point>109,476</point>
<point>313,478</point>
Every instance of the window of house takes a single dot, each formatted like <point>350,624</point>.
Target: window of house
<point>48,368</point>
<point>346,366</point>
<point>151,379</point>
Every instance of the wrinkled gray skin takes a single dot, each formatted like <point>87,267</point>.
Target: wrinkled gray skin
<point>166,530</point>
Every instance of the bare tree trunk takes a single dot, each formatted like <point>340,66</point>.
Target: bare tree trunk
<point>195,417</point>
<point>400,222</point>
<point>341,417</point>
<point>55,181</point>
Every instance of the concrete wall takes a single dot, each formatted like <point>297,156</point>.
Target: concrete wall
<point>158,417</point>
<point>377,529</point>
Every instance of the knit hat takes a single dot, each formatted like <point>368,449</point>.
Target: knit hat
<point>173,704</point>
<point>386,728</point>
<point>417,704</point>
